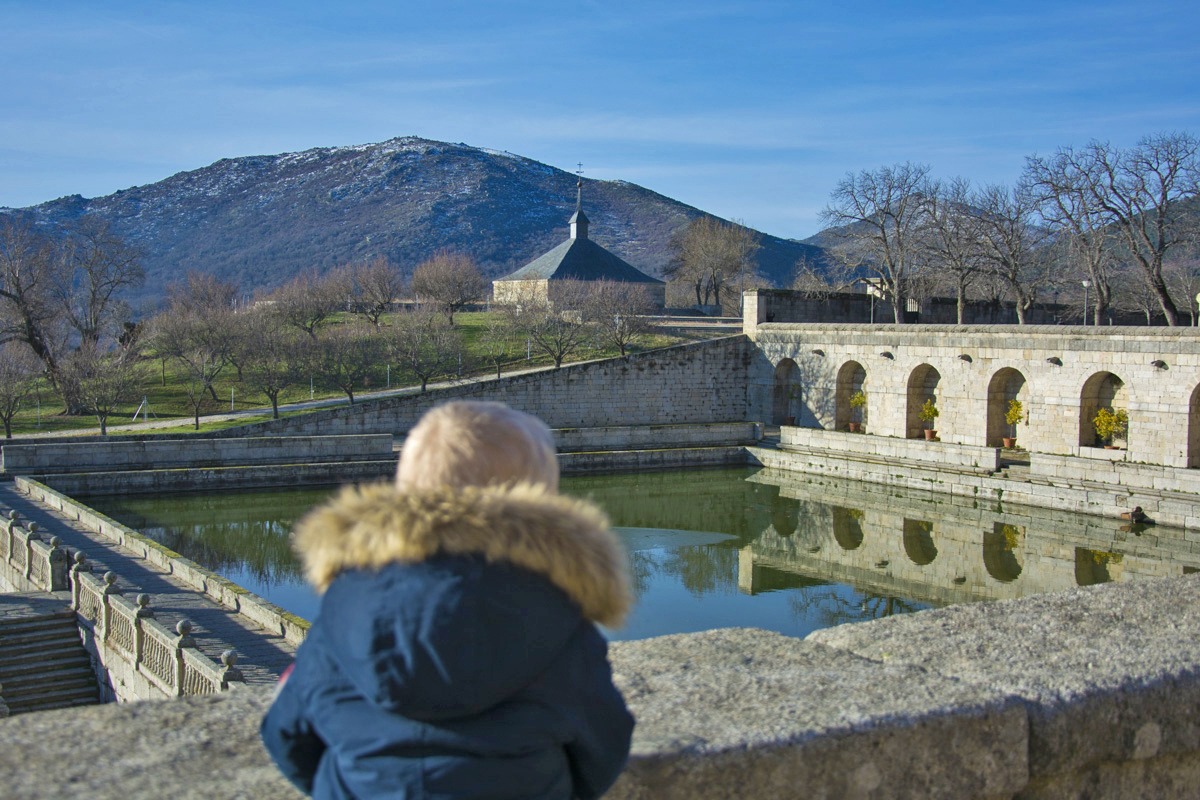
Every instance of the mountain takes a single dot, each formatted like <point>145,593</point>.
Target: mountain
<point>259,220</point>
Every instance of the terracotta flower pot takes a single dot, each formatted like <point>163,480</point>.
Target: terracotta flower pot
<point>1009,441</point>
<point>855,427</point>
<point>930,434</point>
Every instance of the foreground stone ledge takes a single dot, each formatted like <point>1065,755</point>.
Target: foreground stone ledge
<point>1090,693</point>
<point>1109,674</point>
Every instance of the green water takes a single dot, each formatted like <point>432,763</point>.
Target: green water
<point>734,547</point>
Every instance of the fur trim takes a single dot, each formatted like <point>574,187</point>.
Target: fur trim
<point>567,540</point>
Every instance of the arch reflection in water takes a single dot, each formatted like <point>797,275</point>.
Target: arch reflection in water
<point>1002,551</point>
<point>736,547</point>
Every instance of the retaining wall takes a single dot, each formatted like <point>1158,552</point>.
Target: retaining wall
<point>916,451</point>
<point>1096,498</point>
<point>189,453</point>
<point>1089,693</point>
<point>693,383</point>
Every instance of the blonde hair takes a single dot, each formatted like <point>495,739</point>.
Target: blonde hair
<point>475,443</point>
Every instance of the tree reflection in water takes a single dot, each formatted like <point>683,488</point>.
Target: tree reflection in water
<point>832,606</point>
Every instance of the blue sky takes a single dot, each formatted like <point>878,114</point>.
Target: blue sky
<point>750,110</point>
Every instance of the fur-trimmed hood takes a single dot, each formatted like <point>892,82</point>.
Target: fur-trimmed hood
<point>566,540</point>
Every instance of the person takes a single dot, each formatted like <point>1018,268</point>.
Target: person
<point>455,653</point>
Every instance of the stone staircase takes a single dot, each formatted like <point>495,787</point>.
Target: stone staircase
<point>43,664</point>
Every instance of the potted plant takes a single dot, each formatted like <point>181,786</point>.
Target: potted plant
<point>1111,424</point>
<point>928,413</point>
<point>1014,415</point>
<point>858,409</point>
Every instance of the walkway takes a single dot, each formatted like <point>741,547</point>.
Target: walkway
<point>262,656</point>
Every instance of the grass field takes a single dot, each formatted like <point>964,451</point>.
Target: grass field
<point>165,397</point>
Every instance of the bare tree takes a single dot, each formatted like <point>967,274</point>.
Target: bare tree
<point>310,299</point>
<point>1144,191</point>
<point>557,333</point>
<point>1013,242</point>
<point>28,311</point>
<point>879,215</point>
<point>1084,229</point>
<point>497,343</point>
<point>1182,275</point>
<point>199,344</point>
<point>348,354</point>
<point>950,238</point>
<point>449,280</point>
<point>618,313</point>
<point>711,254</point>
<point>94,266</point>
<point>103,377</point>
<point>271,356</point>
<point>19,371</point>
<point>377,286</point>
<point>424,344</point>
<point>202,293</point>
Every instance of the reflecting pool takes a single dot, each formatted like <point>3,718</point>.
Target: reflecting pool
<point>713,548</point>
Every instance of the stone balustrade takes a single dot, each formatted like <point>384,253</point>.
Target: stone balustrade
<point>31,564</point>
<point>128,645</point>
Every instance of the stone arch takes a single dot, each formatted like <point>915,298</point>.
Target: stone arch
<point>1102,390</point>
<point>922,386</point>
<point>786,401</point>
<point>1193,426</point>
<point>1007,384</point>
<point>851,378</point>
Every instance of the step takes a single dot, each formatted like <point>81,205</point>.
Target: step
<point>71,661</point>
<point>15,630</point>
<point>17,691</point>
<point>17,623</point>
<point>51,701</point>
<point>38,651</point>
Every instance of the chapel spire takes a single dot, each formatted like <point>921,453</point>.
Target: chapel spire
<point>579,220</point>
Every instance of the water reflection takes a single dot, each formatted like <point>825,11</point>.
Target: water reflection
<point>716,548</point>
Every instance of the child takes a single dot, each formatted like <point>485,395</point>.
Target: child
<point>455,653</point>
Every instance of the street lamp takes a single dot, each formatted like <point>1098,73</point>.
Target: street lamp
<point>1086,285</point>
<point>1198,308</point>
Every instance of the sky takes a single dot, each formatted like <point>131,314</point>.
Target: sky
<point>749,110</point>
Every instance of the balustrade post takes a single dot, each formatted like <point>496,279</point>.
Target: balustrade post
<point>110,588</point>
<point>27,542</point>
<point>144,612</point>
<point>81,565</point>
<point>231,672</point>
<point>58,565</point>
<point>13,516</point>
<point>184,629</point>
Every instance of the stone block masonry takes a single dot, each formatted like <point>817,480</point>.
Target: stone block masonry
<point>1088,693</point>
<point>693,383</point>
<point>189,453</point>
<point>1061,375</point>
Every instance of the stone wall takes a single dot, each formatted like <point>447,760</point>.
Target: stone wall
<point>189,453</point>
<point>694,383</point>
<point>1089,693</point>
<point>1060,374</point>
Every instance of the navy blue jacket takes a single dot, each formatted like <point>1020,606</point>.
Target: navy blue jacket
<point>466,663</point>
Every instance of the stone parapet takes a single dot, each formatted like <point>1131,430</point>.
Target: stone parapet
<point>649,437</point>
<point>189,453</point>
<point>225,592</point>
<point>916,451</point>
<point>1085,693</point>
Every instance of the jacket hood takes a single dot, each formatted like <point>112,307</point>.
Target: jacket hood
<point>568,541</point>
